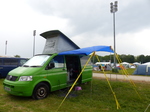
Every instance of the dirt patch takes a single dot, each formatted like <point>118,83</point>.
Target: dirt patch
<point>122,80</point>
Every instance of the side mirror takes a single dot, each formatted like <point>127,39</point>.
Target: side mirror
<point>51,65</point>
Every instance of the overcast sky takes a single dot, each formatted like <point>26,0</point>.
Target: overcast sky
<point>86,22</point>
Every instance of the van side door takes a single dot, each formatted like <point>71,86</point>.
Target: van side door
<point>57,73</point>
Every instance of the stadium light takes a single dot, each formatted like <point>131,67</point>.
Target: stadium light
<point>113,9</point>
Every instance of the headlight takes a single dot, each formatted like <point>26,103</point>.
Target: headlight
<point>25,78</point>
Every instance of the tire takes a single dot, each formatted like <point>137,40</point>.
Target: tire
<point>41,91</point>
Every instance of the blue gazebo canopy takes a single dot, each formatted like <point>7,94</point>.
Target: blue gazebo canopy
<point>87,50</point>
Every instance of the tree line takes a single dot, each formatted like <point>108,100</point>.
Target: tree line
<point>124,58</point>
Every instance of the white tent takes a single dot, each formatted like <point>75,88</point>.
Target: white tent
<point>126,64</point>
<point>98,63</point>
<point>106,65</point>
<point>147,63</point>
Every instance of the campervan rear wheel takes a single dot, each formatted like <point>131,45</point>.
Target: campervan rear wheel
<point>41,91</point>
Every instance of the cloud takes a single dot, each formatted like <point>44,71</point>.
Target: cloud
<point>86,22</point>
<point>91,23</point>
<point>83,15</point>
<point>133,16</point>
<point>134,44</point>
<point>95,15</point>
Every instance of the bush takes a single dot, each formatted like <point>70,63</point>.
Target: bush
<point>115,70</point>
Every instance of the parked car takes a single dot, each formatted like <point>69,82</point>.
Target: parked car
<point>9,63</point>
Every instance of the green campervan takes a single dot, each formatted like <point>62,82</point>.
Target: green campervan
<point>50,70</point>
<point>45,73</point>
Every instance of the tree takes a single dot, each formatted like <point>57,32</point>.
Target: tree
<point>141,58</point>
<point>147,58</point>
<point>131,59</point>
<point>17,56</point>
<point>124,58</point>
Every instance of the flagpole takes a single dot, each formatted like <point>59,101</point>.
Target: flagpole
<point>34,33</point>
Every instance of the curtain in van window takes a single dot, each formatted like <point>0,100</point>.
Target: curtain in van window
<point>10,62</point>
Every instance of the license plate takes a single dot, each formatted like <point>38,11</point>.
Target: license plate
<point>7,88</point>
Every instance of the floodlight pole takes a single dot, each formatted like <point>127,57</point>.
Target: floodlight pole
<point>6,47</point>
<point>114,40</point>
<point>34,33</point>
<point>113,9</point>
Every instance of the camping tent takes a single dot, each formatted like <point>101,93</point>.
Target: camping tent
<point>136,63</point>
<point>143,69</point>
<point>105,65</point>
<point>126,64</point>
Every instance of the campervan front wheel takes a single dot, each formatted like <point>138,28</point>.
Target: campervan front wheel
<point>41,91</point>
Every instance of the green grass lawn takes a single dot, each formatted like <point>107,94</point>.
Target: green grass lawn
<point>95,96</point>
<point>130,71</point>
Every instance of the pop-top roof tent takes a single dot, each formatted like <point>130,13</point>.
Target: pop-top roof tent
<point>57,42</point>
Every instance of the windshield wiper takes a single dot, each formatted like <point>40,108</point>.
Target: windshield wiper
<point>35,66</point>
<point>25,65</point>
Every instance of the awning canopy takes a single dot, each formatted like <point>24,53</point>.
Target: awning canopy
<point>87,50</point>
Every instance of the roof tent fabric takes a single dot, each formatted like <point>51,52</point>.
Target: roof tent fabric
<point>57,42</point>
<point>88,50</point>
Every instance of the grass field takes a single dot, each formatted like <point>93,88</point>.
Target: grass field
<point>95,96</point>
<point>130,71</point>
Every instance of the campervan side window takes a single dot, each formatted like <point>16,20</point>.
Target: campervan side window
<point>84,59</point>
<point>59,61</point>
<point>10,62</point>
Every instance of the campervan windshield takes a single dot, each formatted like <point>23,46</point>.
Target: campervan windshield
<point>36,61</point>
